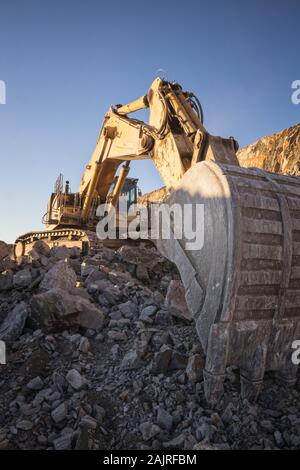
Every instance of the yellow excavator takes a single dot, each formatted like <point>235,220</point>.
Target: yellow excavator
<point>174,140</point>
<point>243,286</point>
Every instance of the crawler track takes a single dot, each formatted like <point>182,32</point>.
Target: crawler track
<point>86,240</point>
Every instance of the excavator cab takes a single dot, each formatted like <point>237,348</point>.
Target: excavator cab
<point>130,190</point>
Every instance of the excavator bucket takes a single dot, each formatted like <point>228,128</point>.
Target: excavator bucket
<point>243,285</point>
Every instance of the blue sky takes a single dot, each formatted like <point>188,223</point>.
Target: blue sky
<point>65,62</point>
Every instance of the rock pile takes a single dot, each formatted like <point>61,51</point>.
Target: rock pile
<point>102,354</point>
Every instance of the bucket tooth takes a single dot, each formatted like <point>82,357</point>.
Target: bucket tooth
<point>215,365</point>
<point>213,387</point>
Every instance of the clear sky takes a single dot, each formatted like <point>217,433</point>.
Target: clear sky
<point>65,61</point>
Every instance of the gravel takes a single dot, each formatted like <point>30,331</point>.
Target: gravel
<point>110,364</point>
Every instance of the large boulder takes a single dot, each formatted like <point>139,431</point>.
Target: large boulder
<point>23,278</point>
<point>278,153</point>
<point>14,323</point>
<point>54,309</point>
<point>175,301</point>
<point>94,276</point>
<point>148,256</point>
<point>6,282</point>
<point>9,265</point>
<point>39,253</point>
<point>90,316</point>
<point>62,252</point>
<point>57,309</point>
<point>60,276</point>
<point>42,248</point>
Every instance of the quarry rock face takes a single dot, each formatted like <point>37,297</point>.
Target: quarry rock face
<point>278,153</point>
<point>156,196</point>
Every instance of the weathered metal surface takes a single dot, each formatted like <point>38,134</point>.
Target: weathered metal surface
<point>243,286</point>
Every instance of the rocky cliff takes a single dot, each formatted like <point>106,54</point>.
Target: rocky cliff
<point>278,153</point>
